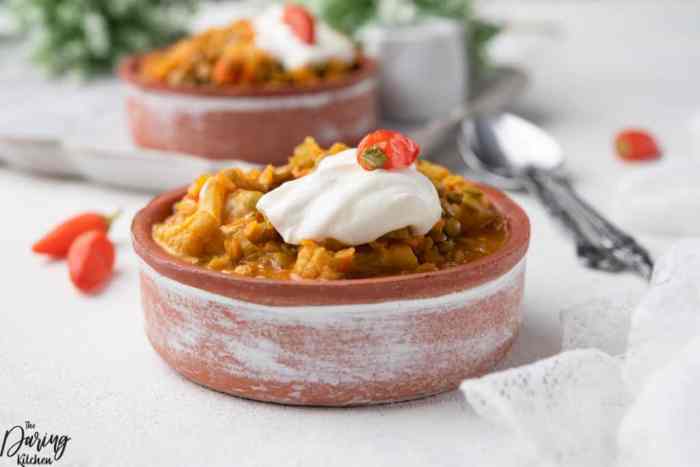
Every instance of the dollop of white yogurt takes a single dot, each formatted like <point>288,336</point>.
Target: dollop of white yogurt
<point>275,37</point>
<point>341,200</point>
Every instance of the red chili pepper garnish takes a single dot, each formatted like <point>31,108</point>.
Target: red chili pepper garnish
<point>636,145</point>
<point>386,149</point>
<point>91,260</point>
<point>57,242</point>
<point>301,21</point>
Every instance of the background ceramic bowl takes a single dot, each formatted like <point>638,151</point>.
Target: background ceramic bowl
<point>253,125</point>
<point>333,343</point>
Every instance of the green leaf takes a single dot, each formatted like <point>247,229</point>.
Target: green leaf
<point>90,36</point>
<point>345,16</point>
<point>457,9</point>
<point>96,34</point>
<point>481,33</point>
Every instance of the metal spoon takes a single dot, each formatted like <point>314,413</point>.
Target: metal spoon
<point>511,153</point>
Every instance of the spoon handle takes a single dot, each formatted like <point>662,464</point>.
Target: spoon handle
<point>621,244</point>
<point>588,252</point>
<point>600,244</point>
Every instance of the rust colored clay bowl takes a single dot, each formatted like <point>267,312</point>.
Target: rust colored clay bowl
<point>333,343</point>
<point>260,126</point>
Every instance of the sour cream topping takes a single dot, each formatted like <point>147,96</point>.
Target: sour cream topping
<point>275,37</point>
<point>343,201</point>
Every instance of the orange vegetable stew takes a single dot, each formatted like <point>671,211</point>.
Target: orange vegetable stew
<point>216,225</point>
<point>227,56</point>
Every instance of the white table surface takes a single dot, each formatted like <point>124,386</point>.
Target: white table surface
<point>82,365</point>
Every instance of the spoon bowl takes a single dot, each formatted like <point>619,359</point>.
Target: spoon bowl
<point>513,154</point>
<point>500,148</point>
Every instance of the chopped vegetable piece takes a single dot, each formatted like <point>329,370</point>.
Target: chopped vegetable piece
<point>386,149</point>
<point>636,145</point>
<point>301,21</point>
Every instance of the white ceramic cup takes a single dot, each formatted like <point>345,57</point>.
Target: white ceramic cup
<point>423,67</point>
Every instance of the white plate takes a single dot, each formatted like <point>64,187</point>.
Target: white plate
<point>42,156</point>
<point>82,132</point>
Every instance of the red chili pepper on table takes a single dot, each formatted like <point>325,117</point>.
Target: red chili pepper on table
<point>91,260</point>
<point>636,145</point>
<point>57,242</point>
<point>301,21</point>
<point>386,149</point>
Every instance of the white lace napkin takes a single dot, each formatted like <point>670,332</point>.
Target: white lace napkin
<point>566,406</point>
<point>662,427</point>
<point>624,391</point>
<point>668,316</point>
<point>597,324</point>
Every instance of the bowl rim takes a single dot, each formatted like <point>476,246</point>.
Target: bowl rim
<point>273,292</point>
<point>129,67</point>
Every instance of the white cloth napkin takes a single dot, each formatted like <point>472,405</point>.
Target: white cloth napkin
<point>624,391</point>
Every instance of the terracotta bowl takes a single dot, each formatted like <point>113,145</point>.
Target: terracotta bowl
<point>333,343</point>
<point>254,125</point>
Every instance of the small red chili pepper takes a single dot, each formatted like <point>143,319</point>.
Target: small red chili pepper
<point>386,149</point>
<point>91,260</point>
<point>636,145</point>
<point>57,242</point>
<point>301,21</point>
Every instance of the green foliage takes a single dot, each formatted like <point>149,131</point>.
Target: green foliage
<point>349,16</point>
<point>481,33</point>
<point>448,8</point>
<point>91,36</point>
<point>343,15</point>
